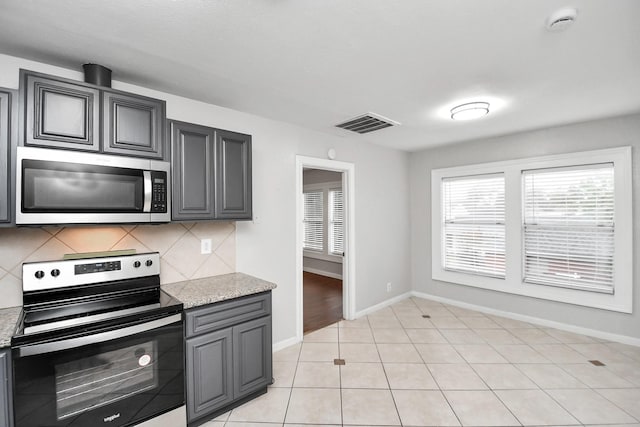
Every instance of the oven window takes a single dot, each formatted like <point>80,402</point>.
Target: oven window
<point>105,378</point>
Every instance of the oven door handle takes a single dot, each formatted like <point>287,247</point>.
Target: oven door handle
<point>147,191</point>
<point>53,346</point>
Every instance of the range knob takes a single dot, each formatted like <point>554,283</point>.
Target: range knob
<point>39,274</point>
<point>136,264</point>
<point>148,263</point>
<point>55,272</point>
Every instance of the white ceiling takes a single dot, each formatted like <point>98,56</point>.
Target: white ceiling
<point>319,62</point>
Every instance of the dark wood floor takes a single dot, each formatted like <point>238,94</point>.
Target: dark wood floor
<point>322,301</point>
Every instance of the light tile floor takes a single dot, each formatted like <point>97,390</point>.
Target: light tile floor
<point>457,367</point>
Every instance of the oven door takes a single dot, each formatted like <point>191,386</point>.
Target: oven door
<point>116,377</point>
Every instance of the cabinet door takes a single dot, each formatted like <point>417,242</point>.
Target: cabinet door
<point>192,164</point>
<point>251,356</point>
<point>133,125</point>
<point>60,114</point>
<point>233,176</point>
<point>209,373</point>
<point>6,406</point>
<point>7,145</point>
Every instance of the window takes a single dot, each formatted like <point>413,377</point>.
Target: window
<point>336,222</point>
<point>323,221</point>
<point>557,227</point>
<point>474,224</point>
<point>569,228</point>
<point>313,221</point>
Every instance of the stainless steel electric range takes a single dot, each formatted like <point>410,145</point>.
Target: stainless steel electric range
<point>98,343</point>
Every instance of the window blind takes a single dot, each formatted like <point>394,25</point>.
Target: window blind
<point>313,220</point>
<point>336,222</point>
<point>569,227</point>
<point>474,224</point>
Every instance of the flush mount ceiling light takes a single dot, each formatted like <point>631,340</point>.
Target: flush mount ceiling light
<point>561,19</point>
<point>470,111</point>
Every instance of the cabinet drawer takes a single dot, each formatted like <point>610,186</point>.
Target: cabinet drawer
<point>227,313</point>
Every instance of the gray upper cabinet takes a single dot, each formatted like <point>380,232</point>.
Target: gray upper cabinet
<point>233,175</point>
<point>192,163</point>
<point>64,113</point>
<point>7,153</point>
<point>133,125</point>
<point>211,172</point>
<point>6,406</point>
<point>59,113</point>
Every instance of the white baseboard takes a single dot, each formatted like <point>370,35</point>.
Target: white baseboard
<point>285,343</point>
<point>535,320</point>
<point>322,273</point>
<point>383,304</point>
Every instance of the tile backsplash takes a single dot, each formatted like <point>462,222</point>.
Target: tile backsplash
<point>177,243</point>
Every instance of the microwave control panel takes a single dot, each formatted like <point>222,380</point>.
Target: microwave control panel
<point>159,192</point>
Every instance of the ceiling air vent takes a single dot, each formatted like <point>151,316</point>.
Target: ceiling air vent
<point>367,123</point>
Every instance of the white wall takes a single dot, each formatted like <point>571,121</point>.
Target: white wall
<point>266,246</point>
<point>614,132</point>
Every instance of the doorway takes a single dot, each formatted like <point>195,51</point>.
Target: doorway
<point>322,247</point>
<point>325,276</point>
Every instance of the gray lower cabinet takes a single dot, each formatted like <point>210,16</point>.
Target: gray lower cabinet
<point>228,348</point>
<point>252,356</point>
<point>7,154</point>
<point>211,173</point>
<point>6,405</point>
<point>209,372</point>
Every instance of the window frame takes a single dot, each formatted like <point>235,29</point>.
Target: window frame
<point>513,283</point>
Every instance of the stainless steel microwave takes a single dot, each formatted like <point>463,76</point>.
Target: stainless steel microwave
<point>70,187</point>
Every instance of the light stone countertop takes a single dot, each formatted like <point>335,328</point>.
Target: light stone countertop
<point>197,292</point>
<point>8,320</point>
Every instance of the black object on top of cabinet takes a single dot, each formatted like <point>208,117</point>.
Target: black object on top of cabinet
<point>228,350</point>
<point>211,172</point>
<point>65,113</point>
<point>8,138</point>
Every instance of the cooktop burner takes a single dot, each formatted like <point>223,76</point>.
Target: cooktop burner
<point>69,296</point>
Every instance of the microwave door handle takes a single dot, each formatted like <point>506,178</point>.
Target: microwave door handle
<point>147,191</point>
<point>50,347</point>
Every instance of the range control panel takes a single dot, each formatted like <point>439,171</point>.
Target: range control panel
<point>64,273</point>
<point>97,267</point>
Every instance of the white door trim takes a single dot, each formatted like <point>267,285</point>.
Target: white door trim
<point>348,263</point>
